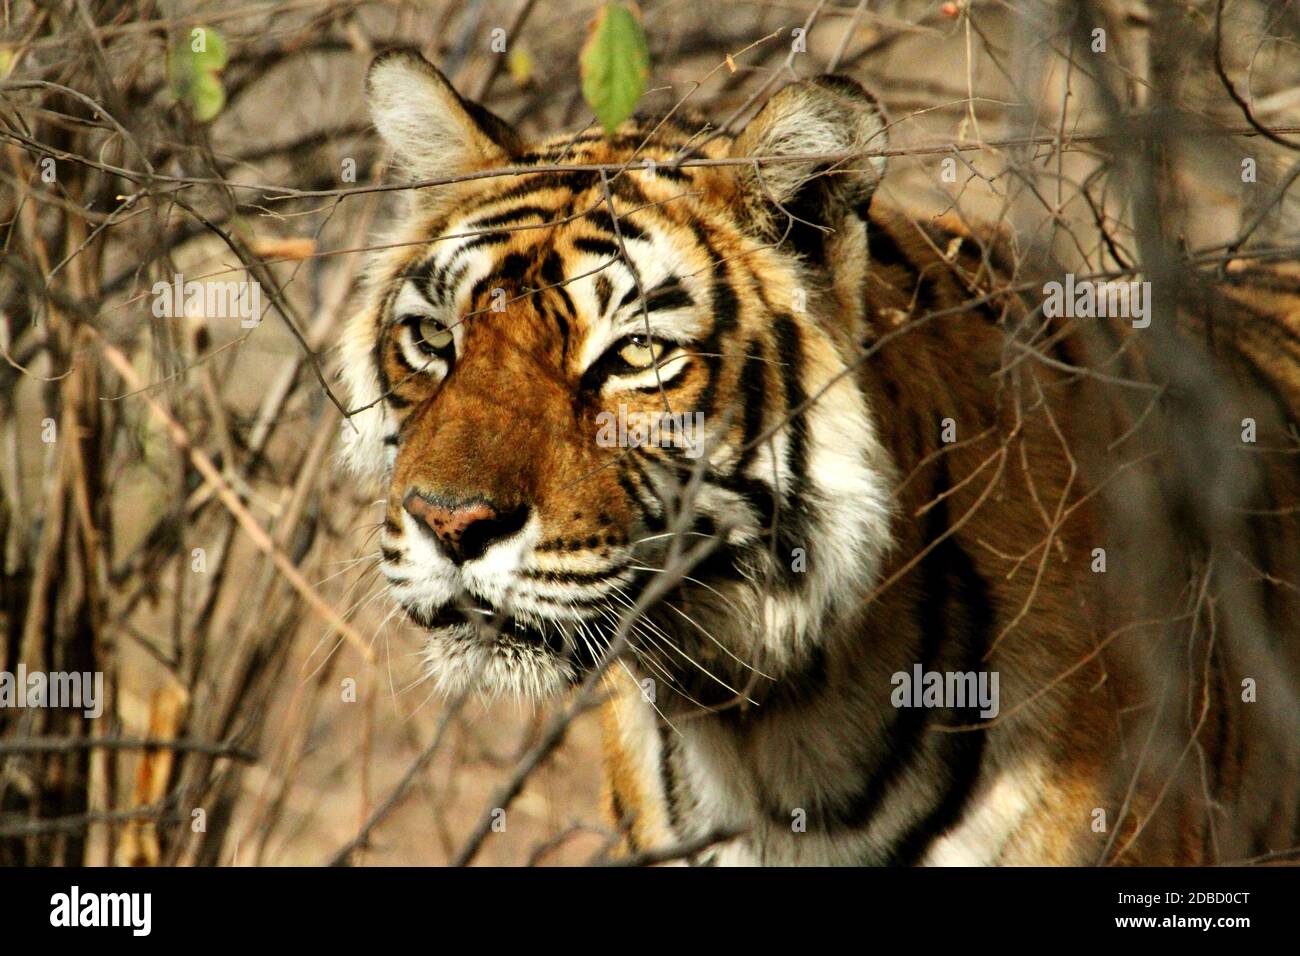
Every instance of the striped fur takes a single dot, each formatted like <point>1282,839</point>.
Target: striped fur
<point>830,343</point>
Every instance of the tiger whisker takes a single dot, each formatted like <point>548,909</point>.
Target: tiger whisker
<point>743,663</point>
<point>704,670</point>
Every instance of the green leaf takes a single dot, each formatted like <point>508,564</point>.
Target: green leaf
<point>213,57</point>
<point>194,66</point>
<point>206,97</point>
<point>615,65</point>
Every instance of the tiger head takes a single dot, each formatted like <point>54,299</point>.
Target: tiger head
<point>612,391</point>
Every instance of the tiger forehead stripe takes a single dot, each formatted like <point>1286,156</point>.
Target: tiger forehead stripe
<point>604,291</point>
<point>510,217</point>
<point>668,294</point>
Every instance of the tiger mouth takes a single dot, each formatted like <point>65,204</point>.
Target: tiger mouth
<point>470,622</point>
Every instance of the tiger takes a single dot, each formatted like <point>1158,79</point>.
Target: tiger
<point>866,559</point>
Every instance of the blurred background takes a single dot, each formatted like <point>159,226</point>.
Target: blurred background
<point>244,633</point>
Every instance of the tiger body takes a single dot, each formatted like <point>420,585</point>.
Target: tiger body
<point>885,485</point>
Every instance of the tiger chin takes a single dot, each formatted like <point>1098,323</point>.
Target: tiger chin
<point>823,473</point>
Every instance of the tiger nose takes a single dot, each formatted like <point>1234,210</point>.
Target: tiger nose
<point>464,530</point>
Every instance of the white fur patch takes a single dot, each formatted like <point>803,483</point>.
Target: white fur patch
<point>422,119</point>
<point>991,821</point>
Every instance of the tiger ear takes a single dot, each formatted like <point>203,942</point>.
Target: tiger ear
<point>432,130</point>
<point>826,115</point>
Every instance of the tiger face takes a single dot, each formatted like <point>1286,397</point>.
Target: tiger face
<point>591,413</point>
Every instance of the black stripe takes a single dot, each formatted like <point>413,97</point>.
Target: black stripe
<point>672,174</point>
<point>667,778</point>
<point>552,276</point>
<point>951,581</point>
<point>510,217</point>
<point>399,356</point>
<point>540,182</point>
<point>563,148</point>
<point>725,306</point>
<point>626,227</point>
<point>624,187</point>
<point>604,291</point>
<point>633,462</point>
<point>382,341</point>
<point>562,322</point>
<point>616,805</point>
<point>487,239</point>
<point>552,271</point>
<point>789,349</point>
<point>604,248</point>
<point>753,394</point>
<point>944,566</point>
<point>421,273</point>
<point>652,520</point>
<point>564,606</point>
<point>481,286</point>
<point>663,299</point>
<point>510,271</point>
<point>571,577</point>
<point>668,294</point>
<point>513,267</point>
<point>629,297</point>
<point>794,520</point>
<point>901,744</point>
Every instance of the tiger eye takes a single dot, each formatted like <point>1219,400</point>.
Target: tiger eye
<point>640,353</point>
<point>434,335</point>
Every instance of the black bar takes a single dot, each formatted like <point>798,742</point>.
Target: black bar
<point>444,908</point>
